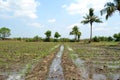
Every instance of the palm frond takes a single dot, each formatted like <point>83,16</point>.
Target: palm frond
<point>71,33</point>
<point>117,4</point>
<point>97,20</point>
<point>85,21</point>
<point>109,4</point>
<point>109,9</point>
<point>91,10</point>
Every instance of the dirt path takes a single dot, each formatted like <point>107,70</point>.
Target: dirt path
<point>40,71</point>
<point>71,72</point>
<point>56,71</point>
<point>55,67</point>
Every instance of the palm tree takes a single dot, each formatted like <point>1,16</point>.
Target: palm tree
<point>90,18</point>
<point>79,34</point>
<point>75,31</point>
<point>110,8</point>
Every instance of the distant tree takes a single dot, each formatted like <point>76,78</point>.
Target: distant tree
<point>79,34</point>
<point>48,35</point>
<point>96,39</point>
<point>110,38</point>
<point>117,37</point>
<point>90,18</point>
<point>102,38</point>
<point>75,31</point>
<point>64,40</point>
<point>56,36</point>
<point>110,8</point>
<point>19,38</point>
<point>4,32</point>
<point>37,38</point>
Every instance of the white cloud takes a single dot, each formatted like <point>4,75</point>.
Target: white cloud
<point>35,24</point>
<point>52,20</point>
<point>82,6</point>
<point>72,25</point>
<point>20,8</point>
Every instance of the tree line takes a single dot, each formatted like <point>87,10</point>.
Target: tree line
<point>109,10</point>
<point>6,32</point>
<point>115,37</point>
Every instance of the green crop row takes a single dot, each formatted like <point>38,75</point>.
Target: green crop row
<point>15,55</point>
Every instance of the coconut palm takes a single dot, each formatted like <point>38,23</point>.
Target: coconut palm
<point>75,31</point>
<point>110,8</point>
<point>90,18</point>
<point>79,34</point>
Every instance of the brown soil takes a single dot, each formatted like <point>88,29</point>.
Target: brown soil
<point>2,77</point>
<point>40,71</point>
<point>71,72</point>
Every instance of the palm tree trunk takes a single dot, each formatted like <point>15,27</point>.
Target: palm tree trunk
<point>75,37</point>
<point>90,32</point>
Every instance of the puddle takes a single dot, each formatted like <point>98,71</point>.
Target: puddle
<point>106,77</point>
<point>91,70</point>
<point>56,72</point>
<point>14,75</point>
<point>17,75</point>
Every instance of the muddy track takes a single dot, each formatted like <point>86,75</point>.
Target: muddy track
<point>40,71</point>
<point>56,71</point>
<point>71,72</point>
<point>2,77</point>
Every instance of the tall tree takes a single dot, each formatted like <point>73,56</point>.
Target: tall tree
<point>75,31</point>
<point>48,34</point>
<point>91,18</point>
<point>110,8</point>
<point>4,32</point>
<point>79,34</point>
<point>56,35</point>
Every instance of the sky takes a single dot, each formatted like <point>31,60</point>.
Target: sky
<point>28,18</point>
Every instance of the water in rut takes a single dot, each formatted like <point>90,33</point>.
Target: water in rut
<point>95,71</point>
<point>56,72</point>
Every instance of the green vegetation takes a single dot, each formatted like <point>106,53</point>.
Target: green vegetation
<point>56,36</point>
<point>117,37</point>
<point>96,58</point>
<point>48,34</point>
<point>102,38</point>
<point>91,18</point>
<point>110,8</point>
<point>75,31</point>
<point>15,55</point>
<point>4,32</point>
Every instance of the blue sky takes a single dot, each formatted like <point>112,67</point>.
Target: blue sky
<point>27,18</point>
